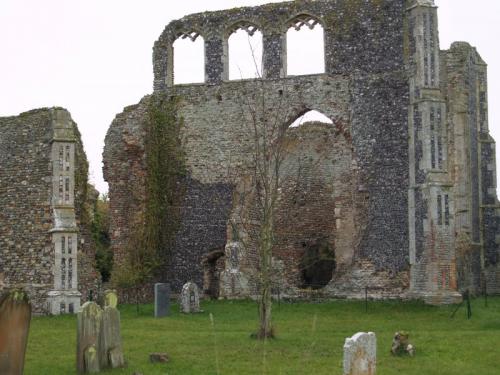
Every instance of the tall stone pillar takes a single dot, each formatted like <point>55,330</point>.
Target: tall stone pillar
<point>163,64</point>
<point>431,205</point>
<point>274,55</point>
<point>216,59</point>
<point>64,297</point>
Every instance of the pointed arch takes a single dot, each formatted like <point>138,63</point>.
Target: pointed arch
<point>310,116</point>
<point>188,51</point>
<point>305,45</point>
<point>245,50</point>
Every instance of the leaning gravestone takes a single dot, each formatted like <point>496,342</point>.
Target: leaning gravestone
<point>15,316</point>
<point>190,298</point>
<point>110,341</point>
<point>162,300</point>
<point>360,354</point>
<point>87,339</point>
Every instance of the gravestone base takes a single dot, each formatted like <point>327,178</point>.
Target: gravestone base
<point>63,302</point>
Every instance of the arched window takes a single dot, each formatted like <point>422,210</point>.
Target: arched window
<point>305,46</point>
<point>311,116</point>
<point>245,51</point>
<point>189,58</point>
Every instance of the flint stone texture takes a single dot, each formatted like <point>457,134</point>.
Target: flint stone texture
<point>162,300</point>
<point>360,354</point>
<point>401,188</point>
<point>15,318</point>
<point>190,298</point>
<point>46,203</point>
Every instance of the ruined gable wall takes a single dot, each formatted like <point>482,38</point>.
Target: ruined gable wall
<point>364,88</point>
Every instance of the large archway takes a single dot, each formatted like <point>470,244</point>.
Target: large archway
<point>314,218</point>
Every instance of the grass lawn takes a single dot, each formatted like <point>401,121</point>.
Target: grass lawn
<point>310,339</point>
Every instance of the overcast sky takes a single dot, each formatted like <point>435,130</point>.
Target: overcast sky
<point>93,57</point>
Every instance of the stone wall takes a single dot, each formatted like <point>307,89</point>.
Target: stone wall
<point>364,92</point>
<point>477,211</point>
<point>38,209</point>
<point>387,184</point>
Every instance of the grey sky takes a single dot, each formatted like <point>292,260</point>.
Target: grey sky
<point>93,57</point>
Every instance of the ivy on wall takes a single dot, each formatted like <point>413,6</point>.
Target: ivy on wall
<point>150,243</point>
<point>165,165</point>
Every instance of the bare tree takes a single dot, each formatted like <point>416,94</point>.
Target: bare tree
<point>266,111</point>
<point>264,115</point>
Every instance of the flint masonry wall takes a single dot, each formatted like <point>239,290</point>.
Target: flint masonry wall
<point>387,200</point>
<point>477,211</point>
<point>33,221</point>
<point>364,91</point>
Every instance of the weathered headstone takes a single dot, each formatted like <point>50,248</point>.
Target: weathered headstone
<point>190,298</point>
<point>110,343</point>
<point>15,317</point>
<point>162,300</point>
<point>99,343</point>
<point>360,354</point>
<point>110,298</point>
<point>401,344</point>
<point>89,323</point>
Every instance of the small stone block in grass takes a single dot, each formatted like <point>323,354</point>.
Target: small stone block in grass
<point>158,358</point>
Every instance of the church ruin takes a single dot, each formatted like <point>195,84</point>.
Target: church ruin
<point>397,193</point>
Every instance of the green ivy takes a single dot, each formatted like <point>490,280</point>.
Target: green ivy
<point>153,231</point>
<point>166,169</point>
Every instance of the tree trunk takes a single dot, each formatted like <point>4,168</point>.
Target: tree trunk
<point>265,303</point>
<point>137,299</point>
<point>265,310</point>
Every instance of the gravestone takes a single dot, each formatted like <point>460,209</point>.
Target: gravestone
<point>162,300</point>
<point>190,298</point>
<point>110,343</point>
<point>401,344</point>
<point>15,317</point>
<point>89,323</point>
<point>110,298</point>
<point>360,354</point>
